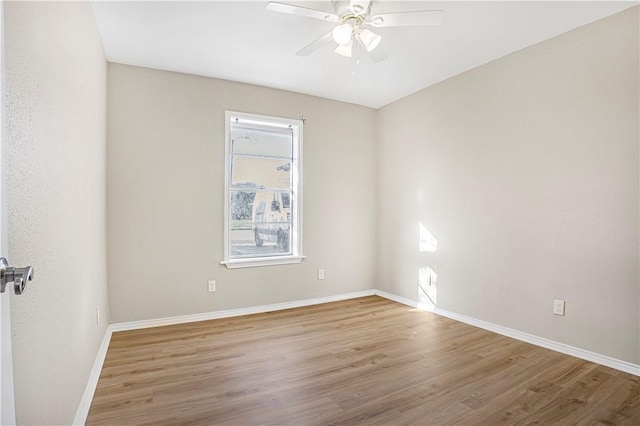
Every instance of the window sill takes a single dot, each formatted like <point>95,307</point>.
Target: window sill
<point>262,261</point>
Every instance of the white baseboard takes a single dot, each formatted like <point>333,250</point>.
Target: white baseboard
<point>85,402</point>
<point>396,298</point>
<point>136,325</point>
<point>607,361</point>
<point>92,383</point>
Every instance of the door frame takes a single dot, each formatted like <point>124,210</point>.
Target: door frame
<point>7,395</point>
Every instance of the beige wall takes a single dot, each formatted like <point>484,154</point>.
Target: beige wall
<point>526,172</point>
<point>56,119</point>
<point>166,185</point>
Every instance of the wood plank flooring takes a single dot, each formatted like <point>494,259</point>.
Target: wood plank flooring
<point>360,361</point>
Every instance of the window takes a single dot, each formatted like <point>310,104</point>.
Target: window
<point>263,191</point>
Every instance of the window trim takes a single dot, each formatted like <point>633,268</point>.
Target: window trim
<point>296,225</point>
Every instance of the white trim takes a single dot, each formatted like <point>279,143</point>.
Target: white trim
<point>396,298</point>
<point>627,367</point>
<point>607,361</point>
<point>136,325</point>
<point>92,383</point>
<point>227,171</point>
<point>262,261</point>
<point>261,119</point>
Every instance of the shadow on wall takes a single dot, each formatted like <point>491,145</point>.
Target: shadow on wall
<point>427,289</point>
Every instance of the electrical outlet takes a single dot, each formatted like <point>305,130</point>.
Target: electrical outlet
<point>97,314</point>
<point>212,285</point>
<point>321,274</point>
<point>558,307</point>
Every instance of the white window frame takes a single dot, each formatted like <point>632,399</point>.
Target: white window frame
<point>296,198</point>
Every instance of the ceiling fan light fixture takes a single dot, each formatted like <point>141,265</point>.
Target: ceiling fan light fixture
<point>342,34</point>
<point>345,49</point>
<point>369,39</point>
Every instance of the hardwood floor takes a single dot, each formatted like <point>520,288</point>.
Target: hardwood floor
<point>360,361</point>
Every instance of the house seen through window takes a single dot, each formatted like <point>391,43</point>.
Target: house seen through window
<point>263,190</point>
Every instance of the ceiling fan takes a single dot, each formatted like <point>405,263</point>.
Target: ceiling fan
<point>353,19</point>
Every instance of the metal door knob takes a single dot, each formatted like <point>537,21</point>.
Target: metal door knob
<point>18,276</point>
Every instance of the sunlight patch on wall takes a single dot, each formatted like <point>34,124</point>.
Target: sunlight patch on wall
<point>427,241</point>
<point>427,289</point>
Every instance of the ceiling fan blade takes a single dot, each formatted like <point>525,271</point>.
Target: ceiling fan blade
<point>407,19</point>
<point>359,7</point>
<point>315,45</point>
<point>301,11</point>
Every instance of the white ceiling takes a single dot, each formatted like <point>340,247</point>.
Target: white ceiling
<point>240,41</point>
